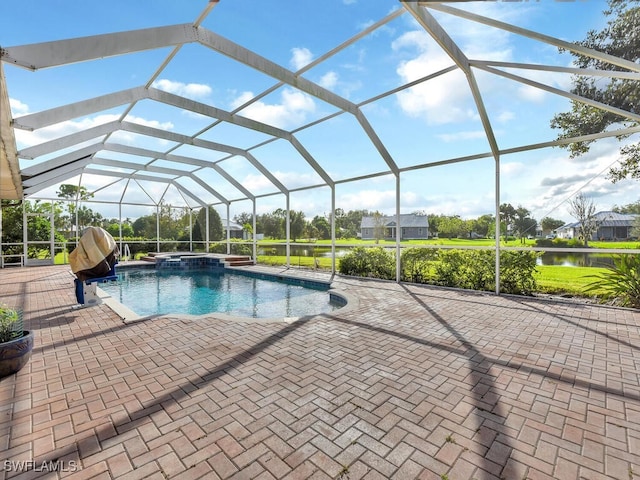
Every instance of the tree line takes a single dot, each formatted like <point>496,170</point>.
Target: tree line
<point>179,224</point>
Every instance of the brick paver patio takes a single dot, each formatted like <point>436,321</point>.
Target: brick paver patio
<point>408,382</point>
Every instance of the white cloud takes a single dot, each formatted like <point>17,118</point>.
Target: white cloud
<point>149,123</point>
<point>447,98</point>
<point>189,90</point>
<point>532,94</point>
<point>130,139</point>
<point>552,79</point>
<point>18,108</point>
<point>457,136</point>
<point>241,99</point>
<point>441,100</point>
<point>329,80</point>
<point>291,111</point>
<point>459,205</point>
<point>300,57</point>
<point>505,116</point>
<point>512,169</point>
<point>258,183</point>
<point>381,200</point>
<point>295,179</point>
<point>546,184</point>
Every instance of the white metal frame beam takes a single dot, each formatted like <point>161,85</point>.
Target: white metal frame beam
<point>68,141</point>
<point>439,34</point>
<point>153,154</point>
<point>206,144</point>
<point>62,160</point>
<point>557,91</point>
<point>137,177</point>
<point>44,178</point>
<point>70,111</point>
<point>49,54</point>
<point>247,57</point>
<point>61,176</point>
<point>62,52</point>
<point>570,46</point>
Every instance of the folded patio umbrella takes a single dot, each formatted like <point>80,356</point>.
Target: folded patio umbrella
<point>95,255</point>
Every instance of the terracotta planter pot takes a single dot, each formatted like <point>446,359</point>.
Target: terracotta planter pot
<point>15,354</point>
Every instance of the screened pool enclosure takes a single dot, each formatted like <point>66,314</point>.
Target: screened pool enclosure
<point>260,105</point>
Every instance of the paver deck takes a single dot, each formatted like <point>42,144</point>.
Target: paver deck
<point>409,382</point>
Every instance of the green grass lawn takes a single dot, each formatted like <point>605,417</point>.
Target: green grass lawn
<point>633,244</point>
<point>566,280</point>
<point>324,263</point>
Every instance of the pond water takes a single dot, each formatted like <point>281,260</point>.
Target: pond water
<point>576,259</point>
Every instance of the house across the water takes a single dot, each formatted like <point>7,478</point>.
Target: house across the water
<point>412,227</point>
<point>611,226</point>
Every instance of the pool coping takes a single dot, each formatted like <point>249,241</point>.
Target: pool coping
<point>129,316</point>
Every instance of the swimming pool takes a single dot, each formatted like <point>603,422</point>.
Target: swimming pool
<point>202,291</point>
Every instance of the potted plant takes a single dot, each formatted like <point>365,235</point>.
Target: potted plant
<point>15,342</point>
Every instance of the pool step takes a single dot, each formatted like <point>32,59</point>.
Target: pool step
<point>239,260</point>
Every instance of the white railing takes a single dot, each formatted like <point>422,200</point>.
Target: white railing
<point>126,254</point>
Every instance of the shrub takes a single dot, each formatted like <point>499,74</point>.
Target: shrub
<point>516,272</point>
<point>469,269</point>
<point>241,249</point>
<point>10,324</point>
<point>416,264</point>
<point>373,262</point>
<point>559,243</point>
<point>236,248</point>
<point>478,270</point>
<point>218,248</point>
<point>621,282</point>
<point>448,269</point>
<point>544,242</point>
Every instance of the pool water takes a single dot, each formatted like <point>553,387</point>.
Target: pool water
<point>197,292</point>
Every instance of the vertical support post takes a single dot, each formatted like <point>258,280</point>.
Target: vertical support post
<point>333,229</point>
<point>287,227</point>
<point>190,229</point>
<point>53,230</point>
<point>77,219</point>
<point>254,225</point>
<point>24,233</point>
<point>228,229</point>
<point>206,236</point>
<point>497,246</point>
<point>158,228</point>
<point>120,226</point>
<point>52,237</point>
<point>398,230</point>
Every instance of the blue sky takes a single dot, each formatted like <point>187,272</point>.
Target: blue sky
<point>434,121</point>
